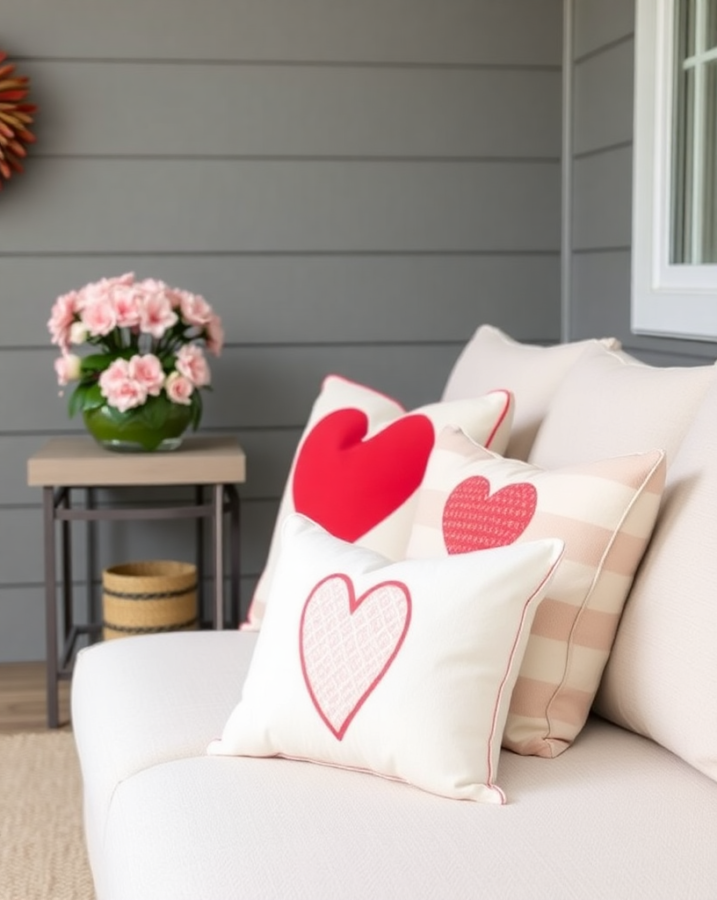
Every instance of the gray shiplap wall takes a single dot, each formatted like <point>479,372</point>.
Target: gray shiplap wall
<point>354,186</point>
<point>602,132</point>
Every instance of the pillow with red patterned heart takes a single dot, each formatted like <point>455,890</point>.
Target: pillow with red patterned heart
<point>400,669</point>
<point>361,459</point>
<point>604,511</point>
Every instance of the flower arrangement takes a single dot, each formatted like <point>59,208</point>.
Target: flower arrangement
<point>147,340</point>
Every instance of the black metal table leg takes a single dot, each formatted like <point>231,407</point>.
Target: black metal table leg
<point>218,552</point>
<point>91,549</point>
<point>48,504</point>
<point>234,555</point>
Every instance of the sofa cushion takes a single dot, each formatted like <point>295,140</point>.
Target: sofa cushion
<point>613,404</point>
<point>492,359</point>
<point>401,669</point>
<point>661,680</point>
<point>604,511</point>
<point>616,818</point>
<point>360,460</point>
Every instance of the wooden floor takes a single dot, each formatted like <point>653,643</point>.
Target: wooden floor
<point>23,698</point>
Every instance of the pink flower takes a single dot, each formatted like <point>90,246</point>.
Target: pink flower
<point>156,315</point>
<point>119,389</point>
<point>126,301</point>
<point>114,374</point>
<point>61,318</point>
<point>67,368</point>
<point>179,389</point>
<point>215,335</point>
<point>153,286</point>
<point>99,317</point>
<point>195,309</point>
<point>147,371</point>
<point>191,362</point>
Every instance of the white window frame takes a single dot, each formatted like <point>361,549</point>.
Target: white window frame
<point>667,299</point>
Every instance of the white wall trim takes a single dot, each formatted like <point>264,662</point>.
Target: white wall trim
<point>668,300</point>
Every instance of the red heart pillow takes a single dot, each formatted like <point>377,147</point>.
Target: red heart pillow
<point>361,460</point>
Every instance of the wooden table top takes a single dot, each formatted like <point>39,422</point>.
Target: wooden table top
<point>81,462</point>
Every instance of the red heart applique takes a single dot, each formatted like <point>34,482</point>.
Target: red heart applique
<point>473,519</point>
<point>347,644</point>
<point>347,484</point>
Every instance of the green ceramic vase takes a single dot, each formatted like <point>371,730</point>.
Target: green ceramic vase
<point>138,430</point>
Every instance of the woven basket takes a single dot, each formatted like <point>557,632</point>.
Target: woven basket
<point>148,597</point>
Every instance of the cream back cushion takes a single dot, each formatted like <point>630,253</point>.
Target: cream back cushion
<point>661,680</point>
<point>493,360</point>
<point>612,405</point>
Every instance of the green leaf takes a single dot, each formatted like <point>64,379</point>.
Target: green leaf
<point>95,362</point>
<point>93,397</point>
<point>77,399</point>
<point>155,411</point>
<point>86,395</point>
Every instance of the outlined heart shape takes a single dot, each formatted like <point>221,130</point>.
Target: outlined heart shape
<point>347,644</point>
<point>475,519</point>
<point>349,484</point>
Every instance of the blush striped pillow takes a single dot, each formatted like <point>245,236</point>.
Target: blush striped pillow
<point>604,512</point>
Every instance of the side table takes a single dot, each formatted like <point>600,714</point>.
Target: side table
<point>68,463</point>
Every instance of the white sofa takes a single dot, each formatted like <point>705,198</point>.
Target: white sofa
<point>629,810</point>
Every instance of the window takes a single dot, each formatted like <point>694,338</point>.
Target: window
<point>674,289</point>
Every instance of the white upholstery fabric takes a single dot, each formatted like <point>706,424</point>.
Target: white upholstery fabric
<point>615,817</point>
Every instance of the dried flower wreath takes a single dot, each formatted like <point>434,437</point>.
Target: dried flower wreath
<point>15,116</point>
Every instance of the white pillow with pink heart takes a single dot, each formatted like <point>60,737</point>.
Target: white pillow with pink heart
<point>361,460</point>
<point>402,669</point>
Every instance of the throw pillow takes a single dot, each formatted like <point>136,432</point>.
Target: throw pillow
<point>403,669</point>
<point>532,373</point>
<point>360,462</point>
<point>604,511</point>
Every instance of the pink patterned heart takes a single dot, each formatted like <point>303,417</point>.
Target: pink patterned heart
<point>348,643</point>
<point>475,519</point>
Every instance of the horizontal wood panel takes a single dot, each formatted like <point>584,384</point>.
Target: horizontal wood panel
<point>371,30</point>
<point>603,200</point>
<point>600,22</point>
<point>254,387</point>
<point>604,99</point>
<point>120,205</point>
<point>21,531</point>
<point>601,282</point>
<point>314,299</point>
<point>101,108</point>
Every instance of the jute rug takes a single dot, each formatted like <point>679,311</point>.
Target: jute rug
<point>42,849</point>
